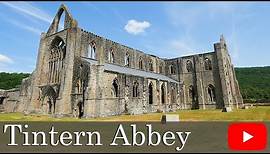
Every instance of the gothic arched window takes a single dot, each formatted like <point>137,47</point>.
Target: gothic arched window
<point>136,89</point>
<point>115,88</point>
<point>161,68</point>
<point>111,56</point>
<point>92,50</point>
<point>163,94</point>
<point>211,93</point>
<point>189,66</point>
<point>151,65</point>
<point>127,60</point>
<point>150,93</point>
<point>172,69</point>
<point>207,64</point>
<point>56,58</point>
<point>140,63</point>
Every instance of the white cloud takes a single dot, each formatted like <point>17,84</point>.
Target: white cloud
<point>5,59</point>
<point>135,27</point>
<point>30,10</point>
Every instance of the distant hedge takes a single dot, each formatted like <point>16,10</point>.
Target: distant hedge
<point>254,82</point>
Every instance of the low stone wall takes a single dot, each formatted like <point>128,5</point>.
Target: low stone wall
<point>10,99</point>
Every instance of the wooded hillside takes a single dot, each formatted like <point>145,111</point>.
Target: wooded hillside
<point>254,82</point>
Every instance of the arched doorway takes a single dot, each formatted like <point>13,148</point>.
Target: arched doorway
<point>50,94</point>
<point>150,93</point>
<point>80,109</point>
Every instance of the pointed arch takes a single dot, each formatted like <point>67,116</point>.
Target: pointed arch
<point>92,50</point>
<point>140,63</point>
<point>115,87</point>
<point>163,101</point>
<point>189,66</point>
<point>135,89</point>
<point>161,68</point>
<point>150,93</point>
<point>172,69</point>
<point>211,93</point>
<point>207,64</point>
<point>51,95</point>
<point>61,25</point>
<point>68,21</point>
<point>151,68</point>
<point>111,56</point>
<point>55,59</point>
<point>127,59</point>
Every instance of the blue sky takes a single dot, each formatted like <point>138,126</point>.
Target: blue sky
<point>166,29</point>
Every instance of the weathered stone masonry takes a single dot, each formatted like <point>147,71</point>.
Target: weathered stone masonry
<point>84,75</point>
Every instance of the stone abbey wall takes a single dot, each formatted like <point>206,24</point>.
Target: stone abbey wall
<point>84,75</point>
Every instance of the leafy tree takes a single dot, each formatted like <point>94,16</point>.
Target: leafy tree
<point>254,83</point>
<point>11,80</point>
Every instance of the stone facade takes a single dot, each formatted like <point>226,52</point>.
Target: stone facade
<point>84,75</point>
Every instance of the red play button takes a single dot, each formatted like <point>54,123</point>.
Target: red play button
<point>247,136</point>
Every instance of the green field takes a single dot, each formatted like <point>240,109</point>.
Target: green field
<point>252,114</point>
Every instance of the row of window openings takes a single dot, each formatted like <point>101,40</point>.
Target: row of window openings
<point>111,59</point>
<point>116,89</point>
<point>210,90</point>
<point>150,92</point>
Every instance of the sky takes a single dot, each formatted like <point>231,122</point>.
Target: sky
<point>165,29</point>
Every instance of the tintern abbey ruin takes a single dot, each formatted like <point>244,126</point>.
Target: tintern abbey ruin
<point>80,74</point>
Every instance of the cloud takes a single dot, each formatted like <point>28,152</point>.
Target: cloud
<point>135,27</point>
<point>25,8</point>
<point>5,59</point>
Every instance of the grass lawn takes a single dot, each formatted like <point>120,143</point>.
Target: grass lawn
<point>252,114</point>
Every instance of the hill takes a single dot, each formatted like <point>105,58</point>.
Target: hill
<point>254,82</point>
<point>11,80</point>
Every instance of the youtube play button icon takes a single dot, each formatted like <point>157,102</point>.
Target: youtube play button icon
<point>247,136</point>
